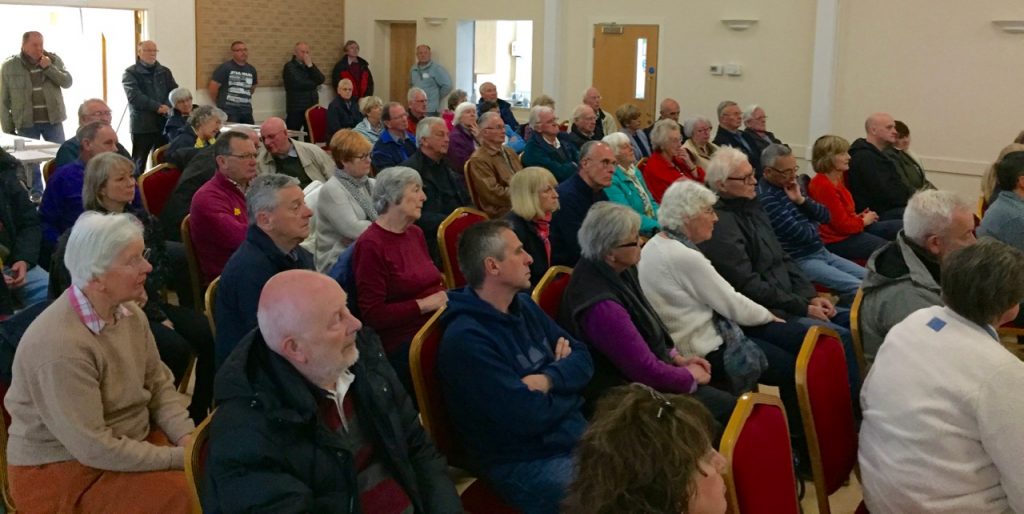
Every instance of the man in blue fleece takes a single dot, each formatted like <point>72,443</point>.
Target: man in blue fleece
<point>511,377</point>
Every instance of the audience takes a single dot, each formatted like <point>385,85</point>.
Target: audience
<point>605,122</point>
<point>755,130</point>
<point>398,286</point>
<point>629,119</point>
<point>628,187</point>
<point>874,179</point>
<point>372,126</point>
<point>950,441</point>
<point>729,119</point>
<point>697,132</point>
<point>905,275</point>
<point>548,147</point>
<point>416,107</point>
<point>846,233</point>
<point>302,80</point>
<point>302,423</point>
<point>344,208</point>
<point>204,126</point>
<point>1004,219</point>
<point>576,196</point>
<point>534,196</point>
<point>454,99</point>
<point>432,78</point>
<point>512,138</point>
<point>910,169</point>
<point>490,169</point>
<point>604,306</point>
<point>396,143</point>
<point>489,93</point>
<point>510,376</point>
<point>233,83</point>
<point>667,110</point>
<point>670,161</point>
<point>147,84</point>
<point>444,190</point>
<point>20,237</point>
<point>218,215</point>
<point>278,222</point>
<point>464,136</point>
<point>584,126</point>
<point>636,450</point>
<point>795,218</point>
<point>91,110</point>
<point>354,68</point>
<point>286,156</point>
<point>180,99</point>
<point>343,112</point>
<point>95,420</point>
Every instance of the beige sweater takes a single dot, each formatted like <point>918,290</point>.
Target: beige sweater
<point>80,396</point>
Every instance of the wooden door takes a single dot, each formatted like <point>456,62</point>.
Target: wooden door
<point>403,56</point>
<point>626,68</point>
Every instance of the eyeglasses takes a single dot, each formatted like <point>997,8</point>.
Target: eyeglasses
<point>749,178</point>
<point>787,171</point>
<point>244,156</point>
<point>100,113</point>
<point>663,402</point>
<point>630,244</point>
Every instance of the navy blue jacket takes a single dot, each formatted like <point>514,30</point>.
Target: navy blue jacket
<point>741,142</point>
<point>483,357</point>
<point>575,198</point>
<point>147,89</point>
<point>387,152</point>
<point>505,109</point>
<point>241,283</point>
<point>562,162</point>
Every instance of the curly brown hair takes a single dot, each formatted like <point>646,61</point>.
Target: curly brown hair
<point>641,453</point>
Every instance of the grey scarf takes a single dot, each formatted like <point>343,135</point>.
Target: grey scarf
<point>359,188</point>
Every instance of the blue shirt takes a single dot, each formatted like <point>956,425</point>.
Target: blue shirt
<point>62,200</point>
<point>1004,220</point>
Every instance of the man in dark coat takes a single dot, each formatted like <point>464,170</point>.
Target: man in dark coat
<point>302,80</point>
<point>730,117</point>
<point>874,178</point>
<point>147,84</point>
<point>311,417</point>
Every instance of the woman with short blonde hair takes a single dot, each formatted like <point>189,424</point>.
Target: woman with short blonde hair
<point>534,195</point>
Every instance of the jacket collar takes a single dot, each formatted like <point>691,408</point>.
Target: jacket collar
<point>258,238</point>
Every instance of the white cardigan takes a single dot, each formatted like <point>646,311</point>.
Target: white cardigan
<point>685,290</point>
<point>339,222</point>
<point>943,430</point>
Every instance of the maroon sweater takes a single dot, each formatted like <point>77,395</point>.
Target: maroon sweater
<point>392,271</point>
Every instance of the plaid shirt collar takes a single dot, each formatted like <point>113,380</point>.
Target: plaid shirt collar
<point>88,315</point>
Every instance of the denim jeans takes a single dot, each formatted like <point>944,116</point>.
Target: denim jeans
<point>834,272</point>
<point>534,487</point>
<point>52,132</point>
<point>35,288</point>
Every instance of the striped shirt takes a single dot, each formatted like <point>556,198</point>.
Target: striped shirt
<point>796,226</point>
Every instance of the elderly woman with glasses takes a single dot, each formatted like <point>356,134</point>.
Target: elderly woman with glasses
<point>670,161</point>
<point>628,187</point>
<point>204,125</point>
<point>698,140</point>
<point>398,287</point>
<point>179,332</point>
<point>647,452</point>
<point>604,306</point>
<point>344,209</point>
<point>181,100</point>
<point>94,413</point>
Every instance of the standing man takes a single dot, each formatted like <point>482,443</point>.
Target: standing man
<point>147,84</point>
<point>240,78</point>
<point>302,79</point>
<point>432,78</point>
<point>31,102</point>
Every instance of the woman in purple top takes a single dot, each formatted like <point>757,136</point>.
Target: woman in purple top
<point>604,306</point>
<point>463,139</point>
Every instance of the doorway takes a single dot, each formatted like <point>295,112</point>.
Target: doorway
<point>626,67</point>
<point>403,56</point>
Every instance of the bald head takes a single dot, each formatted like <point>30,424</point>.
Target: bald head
<point>880,129</point>
<point>592,97</point>
<point>669,109</point>
<point>274,134</point>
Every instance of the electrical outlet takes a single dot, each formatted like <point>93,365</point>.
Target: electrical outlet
<point>733,70</point>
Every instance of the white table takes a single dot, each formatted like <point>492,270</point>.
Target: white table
<point>8,141</point>
<point>36,152</point>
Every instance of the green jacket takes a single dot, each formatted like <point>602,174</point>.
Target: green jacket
<point>16,92</point>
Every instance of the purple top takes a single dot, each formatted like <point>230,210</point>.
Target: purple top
<point>607,326</point>
<point>460,146</point>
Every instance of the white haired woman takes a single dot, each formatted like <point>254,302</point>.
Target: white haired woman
<point>464,138</point>
<point>96,423</point>
<point>669,161</point>
<point>372,108</point>
<point>181,100</point>
<point>204,125</point>
<point>398,287</point>
<point>698,140</point>
<point>604,306</point>
<point>628,187</point>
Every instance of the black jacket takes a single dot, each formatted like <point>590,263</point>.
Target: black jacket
<point>874,179</point>
<point>578,138</point>
<point>758,143</point>
<point>147,90</point>
<point>533,244</point>
<point>445,193</point>
<point>18,215</point>
<point>200,169</point>
<point>270,451</point>
<point>743,143</point>
<point>342,114</point>
<point>300,86</point>
<point>744,250</point>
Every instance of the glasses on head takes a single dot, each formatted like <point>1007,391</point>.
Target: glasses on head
<point>663,403</point>
<point>245,156</point>
<point>748,178</point>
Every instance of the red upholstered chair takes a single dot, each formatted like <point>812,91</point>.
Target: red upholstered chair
<point>159,155</point>
<point>156,186</point>
<point>426,344</point>
<point>756,446</point>
<point>196,452</point>
<point>447,242</point>
<point>316,120</point>
<point>5,487</point>
<point>824,394</point>
<point>548,292</point>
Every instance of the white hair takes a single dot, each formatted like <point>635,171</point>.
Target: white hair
<point>95,241</point>
<point>690,125</point>
<point>748,113</point>
<point>461,109</point>
<point>390,184</point>
<point>722,164</point>
<point>616,139</point>
<point>606,225</point>
<point>577,113</point>
<point>683,201</point>
<point>424,127</point>
<point>930,213</point>
<point>413,91</point>
<point>535,115</point>
<point>661,131</point>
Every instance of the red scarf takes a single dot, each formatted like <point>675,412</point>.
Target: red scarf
<point>544,230</point>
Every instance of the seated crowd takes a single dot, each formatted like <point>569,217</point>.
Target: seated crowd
<point>685,250</point>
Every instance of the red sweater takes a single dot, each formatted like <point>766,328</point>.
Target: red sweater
<point>392,271</point>
<point>844,221</point>
<point>659,173</point>
<point>218,220</point>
